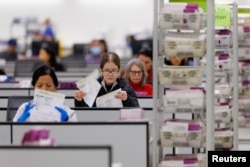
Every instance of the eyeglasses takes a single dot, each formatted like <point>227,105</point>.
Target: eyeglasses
<point>113,72</point>
<point>136,72</point>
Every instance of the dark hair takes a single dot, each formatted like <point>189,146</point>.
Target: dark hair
<point>110,57</point>
<point>12,42</point>
<point>44,70</point>
<point>2,72</point>
<point>52,55</point>
<point>104,44</point>
<point>146,51</point>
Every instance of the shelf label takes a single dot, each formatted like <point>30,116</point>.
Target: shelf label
<point>222,15</point>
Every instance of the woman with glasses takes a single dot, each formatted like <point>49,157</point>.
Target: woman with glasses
<point>136,76</point>
<point>110,81</point>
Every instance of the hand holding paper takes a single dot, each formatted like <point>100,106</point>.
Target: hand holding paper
<point>122,95</point>
<point>90,88</point>
<point>79,95</point>
<point>109,100</point>
<point>64,115</point>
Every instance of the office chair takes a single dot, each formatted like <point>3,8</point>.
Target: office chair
<point>25,68</point>
<point>13,103</point>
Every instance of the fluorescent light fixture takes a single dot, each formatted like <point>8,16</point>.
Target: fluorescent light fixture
<point>112,1</point>
<point>30,2</point>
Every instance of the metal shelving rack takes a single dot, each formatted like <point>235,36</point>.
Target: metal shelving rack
<point>210,85</point>
<point>245,48</point>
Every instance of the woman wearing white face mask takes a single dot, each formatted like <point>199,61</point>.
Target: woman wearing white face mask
<point>96,50</point>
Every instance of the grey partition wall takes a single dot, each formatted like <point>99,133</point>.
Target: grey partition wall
<point>14,92</point>
<point>129,140</point>
<point>60,156</point>
<point>5,133</point>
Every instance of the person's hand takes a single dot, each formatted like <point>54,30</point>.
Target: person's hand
<point>26,112</point>
<point>122,95</point>
<point>79,95</point>
<point>64,115</point>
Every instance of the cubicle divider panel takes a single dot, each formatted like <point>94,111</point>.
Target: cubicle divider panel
<point>106,114</point>
<point>63,156</point>
<point>8,84</point>
<point>129,140</point>
<point>5,133</point>
<point>69,101</point>
<point>14,92</point>
<point>3,101</point>
<point>92,114</point>
<point>3,114</point>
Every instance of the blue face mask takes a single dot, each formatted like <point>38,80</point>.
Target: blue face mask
<point>95,50</point>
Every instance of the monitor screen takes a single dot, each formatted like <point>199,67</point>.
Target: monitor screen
<point>36,45</point>
<point>137,45</point>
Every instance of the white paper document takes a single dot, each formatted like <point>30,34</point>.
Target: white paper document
<point>91,87</point>
<point>45,99</point>
<point>3,78</point>
<point>109,100</point>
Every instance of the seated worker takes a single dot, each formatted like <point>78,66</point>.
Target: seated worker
<point>11,53</point>
<point>48,56</point>
<point>96,50</point>
<point>175,61</point>
<point>109,69</point>
<point>44,78</point>
<point>48,33</point>
<point>136,75</point>
<point>146,56</point>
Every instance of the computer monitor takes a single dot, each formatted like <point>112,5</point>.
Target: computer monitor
<point>36,46</point>
<point>80,49</point>
<point>137,45</point>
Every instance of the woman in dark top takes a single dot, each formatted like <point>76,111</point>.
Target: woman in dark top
<point>110,68</point>
<point>48,56</point>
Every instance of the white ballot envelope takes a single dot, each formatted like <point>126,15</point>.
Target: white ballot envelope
<point>109,100</point>
<point>91,87</point>
<point>46,99</point>
<point>181,20</point>
<point>185,75</point>
<point>184,46</point>
<point>132,114</point>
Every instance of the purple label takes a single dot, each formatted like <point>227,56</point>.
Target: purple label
<point>224,32</point>
<point>245,64</point>
<point>43,134</point>
<point>193,127</point>
<point>70,85</point>
<point>224,104</point>
<point>188,11</point>
<point>223,57</point>
<point>247,116</point>
<point>190,161</point>
<point>246,29</point>
<point>245,83</point>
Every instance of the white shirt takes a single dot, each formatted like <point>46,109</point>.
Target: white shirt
<point>52,115</point>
